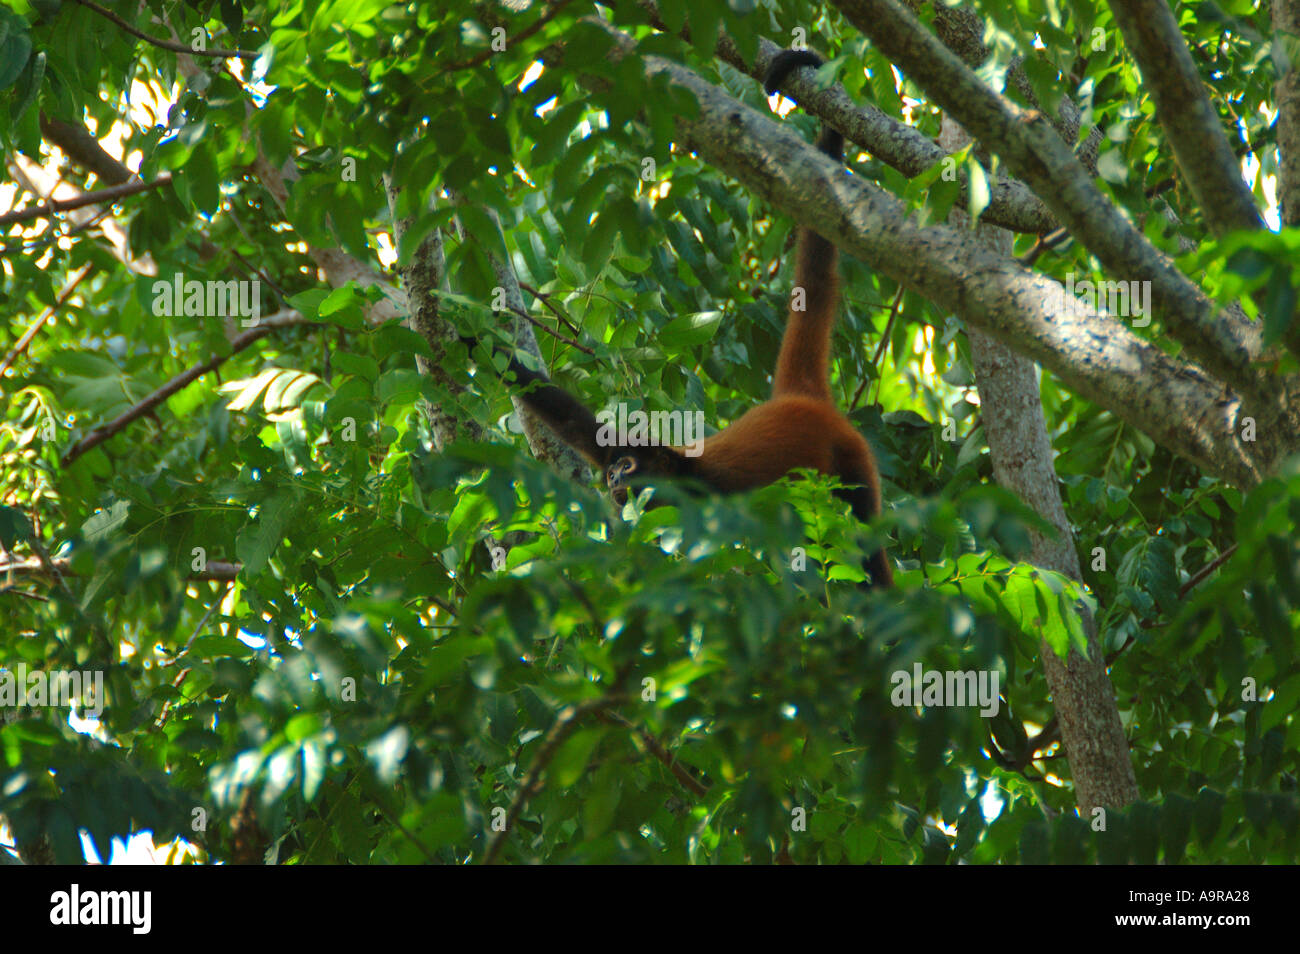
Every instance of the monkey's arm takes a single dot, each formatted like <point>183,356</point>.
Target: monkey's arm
<point>569,418</point>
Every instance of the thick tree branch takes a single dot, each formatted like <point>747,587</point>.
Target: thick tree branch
<point>1034,152</point>
<point>1021,450</point>
<point>962,30</point>
<point>85,150</point>
<point>1012,204</point>
<point>1186,114</point>
<point>423,277</point>
<point>1286,57</point>
<point>1097,356</point>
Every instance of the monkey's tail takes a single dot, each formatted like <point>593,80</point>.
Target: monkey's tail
<point>830,141</point>
<point>803,366</point>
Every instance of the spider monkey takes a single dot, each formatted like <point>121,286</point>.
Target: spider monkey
<point>799,426</point>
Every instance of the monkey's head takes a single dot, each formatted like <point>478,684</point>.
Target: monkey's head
<point>631,468</point>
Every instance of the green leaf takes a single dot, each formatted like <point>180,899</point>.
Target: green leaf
<point>362,366</point>
<point>15,48</point>
<point>14,526</point>
<point>601,802</point>
<point>571,759</point>
<point>442,820</point>
<point>1285,702</point>
<point>257,541</point>
<point>688,331</point>
<point>1176,825</point>
<point>1034,845</point>
<point>106,524</point>
<point>1208,815</point>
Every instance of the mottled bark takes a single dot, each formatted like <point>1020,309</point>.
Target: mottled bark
<point>1011,411</point>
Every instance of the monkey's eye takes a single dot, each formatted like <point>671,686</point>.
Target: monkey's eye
<point>621,468</point>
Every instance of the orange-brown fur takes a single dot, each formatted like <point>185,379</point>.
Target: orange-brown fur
<point>804,363</point>
<point>798,427</point>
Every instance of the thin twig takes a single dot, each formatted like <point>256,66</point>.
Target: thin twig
<point>237,344</point>
<point>51,236</point>
<point>559,731</point>
<point>880,348</point>
<point>481,58</point>
<point>270,282</point>
<point>54,572</point>
<point>1206,570</point>
<point>10,591</point>
<point>49,207</point>
<point>1043,243</point>
<point>545,299</point>
<point>213,570</point>
<point>199,628</point>
<point>174,45</point>
<point>397,823</point>
<point>550,331</point>
<point>653,746</point>
<point>66,292</point>
<point>1196,580</point>
<point>1045,739</point>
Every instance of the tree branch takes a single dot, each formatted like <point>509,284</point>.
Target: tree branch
<point>64,294</point>
<point>545,299</point>
<point>85,150</point>
<point>1286,40</point>
<point>339,267</point>
<point>481,58</point>
<point>62,566</point>
<point>102,433</point>
<point>1097,356</point>
<point>1034,152</point>
<point>545,444</point>
<point>1186,115</point>
<point>1023,463</point>
<point>653,746</point>
<point>173,45</point>
<point>424,276</point>
<point>1012,205</point>
<point>51,207</point>
<point>549,330</point>
<point>565,723</point>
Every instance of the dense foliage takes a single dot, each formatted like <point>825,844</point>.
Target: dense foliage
<point>410,633</point>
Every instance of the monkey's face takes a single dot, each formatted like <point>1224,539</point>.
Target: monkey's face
<point>633,467</point>
<point>617,477</point>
